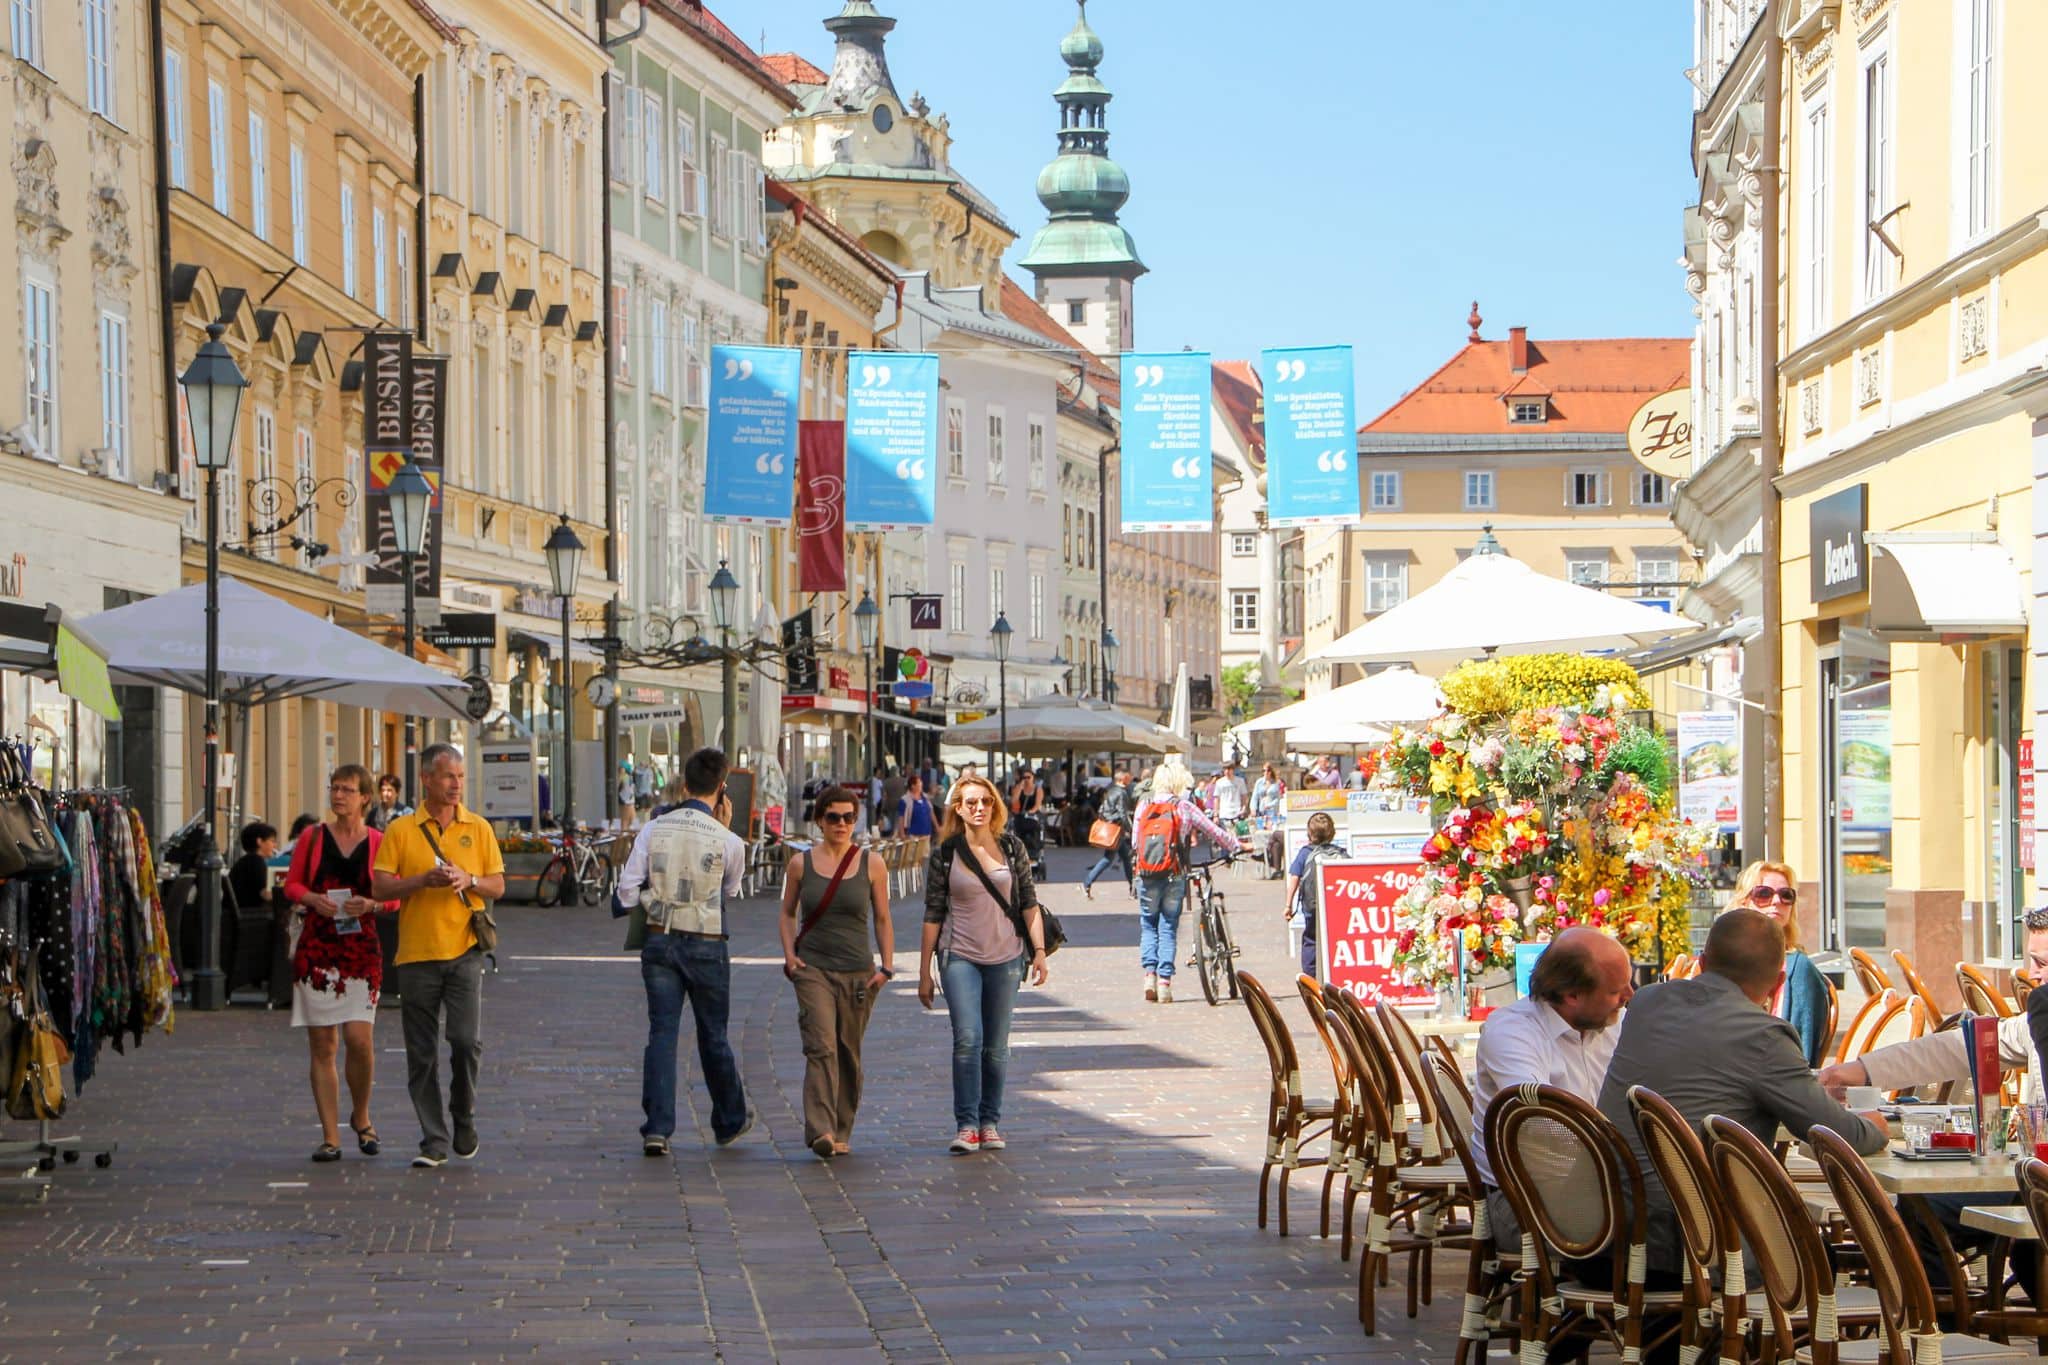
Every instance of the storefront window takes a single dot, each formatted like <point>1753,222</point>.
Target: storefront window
<point>1857,823</point>
<point>2008,800</point>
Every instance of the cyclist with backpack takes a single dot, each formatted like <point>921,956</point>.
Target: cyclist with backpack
<point>1164,827</point>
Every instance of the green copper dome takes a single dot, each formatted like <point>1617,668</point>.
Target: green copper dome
<point>1082,189</point>
<point>1091,186</point>
<point>1081,48</point>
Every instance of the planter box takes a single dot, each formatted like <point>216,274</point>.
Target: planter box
<point>522,874</point>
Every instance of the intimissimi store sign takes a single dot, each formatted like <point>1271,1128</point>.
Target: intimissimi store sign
<point>1840,557</point>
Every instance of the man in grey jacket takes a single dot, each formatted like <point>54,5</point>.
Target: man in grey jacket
<point>1712,1046</point>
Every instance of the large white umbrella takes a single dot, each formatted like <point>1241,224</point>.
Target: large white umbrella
<point>1493,604</point>
<point>269,651</point>
<point>1181,719</point>
<point>1335,734</point>
<point>1051,725</point>
<point>1393,696</point>
<point>764,719</point>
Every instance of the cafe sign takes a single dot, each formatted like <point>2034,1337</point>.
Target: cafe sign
<point>1660,434</point>
<point>1839,557</point>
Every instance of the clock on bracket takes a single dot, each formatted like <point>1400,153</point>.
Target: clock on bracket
<point>602,691</point>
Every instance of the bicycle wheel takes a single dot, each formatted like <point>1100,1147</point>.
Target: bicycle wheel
<point>595,881</point>
<point>548,891</point>
<point>1226,948</point>
<point>1208,963</point>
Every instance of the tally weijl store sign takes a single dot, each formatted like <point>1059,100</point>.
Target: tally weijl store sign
<point>1839,555</point>
<point>405,415</point>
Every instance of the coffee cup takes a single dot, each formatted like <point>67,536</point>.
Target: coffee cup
<point>1864,1098</point>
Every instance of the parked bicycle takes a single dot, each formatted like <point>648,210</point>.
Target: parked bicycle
<point>580,870</point>
<point>1215,955</point>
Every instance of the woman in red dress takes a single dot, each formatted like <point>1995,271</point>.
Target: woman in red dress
<point>337,958</point>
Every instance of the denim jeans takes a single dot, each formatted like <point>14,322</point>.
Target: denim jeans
<point>674,967</point>
<point>979,998</point>
<point>1110,857</point>
<point>1159,904</point>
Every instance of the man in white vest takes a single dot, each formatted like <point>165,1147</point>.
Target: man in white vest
<point>683,868</point>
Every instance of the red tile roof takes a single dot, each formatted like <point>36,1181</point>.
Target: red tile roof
<point>1236,387</point>
<point>1020,308</point>
<point>792,69</point>
<point>1592,386</point>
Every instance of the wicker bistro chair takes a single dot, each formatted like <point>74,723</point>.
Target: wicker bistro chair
<point>1999,1322</point>
<point>1489,1276</point>
<point>1872,978</point>
<point>1343,1119</point>
<point>2022,987</point>
<point>1406,1052</point>
<point>1289,1116</point>
<point>1680,1163</point>
<point>1980,996</point>
<point>1908,1327</point>
<point>1915,986</point>
<point>1578,1193</point>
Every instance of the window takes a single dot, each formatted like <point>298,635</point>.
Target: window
<point>653,147</point>
<point>518,150</point>
<point>217,147</point>
<point>1587,568</point>
<point>689,195</point>
<point>625,111</point>
<point>1386,582</point>
<point>479,144</point>
<point>1876,134</point>
<point>350,284</point>
<point>297,174</point>
<point>99,58</point>
<point>1077,312</point>
<point>753,184</point>
<point>480,421</point>
<point>308,530</point>
<point>1585,488</point>
<point>1656,572</point>
<point>622,308</point>
<point>1244,611</point>
<point>518,452</point>
<point>1652,490</point>
<point>1386,490</point>
<point>956,440</point>
<point>694,372</point>
<point>657,347</point>
<point>350,577</point>
<point>1243,544</point>
<point>998,592</point>
<point>720,188</point>
<point>995,445</point>
<point>39,328</point>
<point>114,394</point>
<point>266,470</point>
<point>188,469</point>
<point>259,176</point>
<point>1527,410</point>
<point>1035,453</point>
<point>956,597</point>
<point>174,115</point>
<point>403,258</point>
<point>1813,251</point>
<point>1038,606</point>
<point>1979,121</point>
<point>380,265</point>
<point>1478,490</point>
<point>550,184</point>
<point>25,29</point>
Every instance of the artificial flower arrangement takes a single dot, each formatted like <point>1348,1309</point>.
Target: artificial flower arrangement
<point>1553,809</point>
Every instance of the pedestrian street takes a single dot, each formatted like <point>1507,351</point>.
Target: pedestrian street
<point>1118,1225</point>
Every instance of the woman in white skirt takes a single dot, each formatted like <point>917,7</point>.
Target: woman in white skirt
<point>337,958</point>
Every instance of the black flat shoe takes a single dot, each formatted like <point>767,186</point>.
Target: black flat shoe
<point>327,1151</point>
<point>366,1139</point>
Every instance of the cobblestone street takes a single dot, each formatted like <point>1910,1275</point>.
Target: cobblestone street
<point>1118,1225</point>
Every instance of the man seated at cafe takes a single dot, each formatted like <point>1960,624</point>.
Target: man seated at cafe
<point>1711,1045</point>
<point>1562,1033</point>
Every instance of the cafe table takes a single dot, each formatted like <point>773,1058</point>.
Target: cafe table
<point>1915,1181</point>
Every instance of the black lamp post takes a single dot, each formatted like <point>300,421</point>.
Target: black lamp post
<point>213,387</point>
<point>867,620</point>
<point>1109,653</point>
<point>411,498</point>
<point>725,596</point>
<point>565,557</point>
<point>999,638</point>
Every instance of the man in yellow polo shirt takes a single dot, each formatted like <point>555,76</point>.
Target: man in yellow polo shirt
<point>441,863</point>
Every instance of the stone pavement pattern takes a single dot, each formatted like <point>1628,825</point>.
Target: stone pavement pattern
<point>1119,1224</point>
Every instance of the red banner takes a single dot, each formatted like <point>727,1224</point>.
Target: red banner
<point>1355,930</point>
<point>821,506</point>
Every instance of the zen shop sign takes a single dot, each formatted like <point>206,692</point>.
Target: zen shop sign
<point>1841,561</point>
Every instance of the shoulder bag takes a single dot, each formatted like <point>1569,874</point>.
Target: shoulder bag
<point>27,843</point>
<point>480,922</point>
<point>35,1082</point>
<point>1048,923</point>
<point>825,904</point>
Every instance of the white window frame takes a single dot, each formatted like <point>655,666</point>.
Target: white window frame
<point>956,440</point>
<point>114,395</point>
<point>689,179</point>
<point>754,185</point>
<point>1585,569</point>
<point>401,258</point>
<point>1976,119</point>
<point>304,476</point>
<point>1652,489</point>
<point>1386,582</point>
<point>1601,488</point>
<point>1876,165</point>
<point>1527,412</point>
<point>265,431</point>
<point>351,281</point>
<point>998,443</point>
<point>1818,126</point>
<point>696,373</point>
<point>621,332</point>
<point>175,131</point>
<point>657,347</point>
<point>380,264</point>
<point>1383,497</point>
<point>220,165</point>
<point>653,147</point>
<point>301,210</point>
<point>1037,602</point>
<point>259,175</point>
<point>1243,544</point>
<point>1479,479</point>
<point>625,121</point>
<point>350,576</point>
<point>998,592</point>
<point>1656,573</point>
<point>39,361</point>
<point>718,158</point>
<point>956,596</point>
<point>1034,458</point>
<point>99,58</point>
<point>1244,611</point>
<point>25,30</point>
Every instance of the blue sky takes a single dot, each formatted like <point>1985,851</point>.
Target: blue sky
<point>1312,171</point>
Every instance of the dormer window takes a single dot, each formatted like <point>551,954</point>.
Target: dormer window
<point>884,119</point>
<point>1523,411</point>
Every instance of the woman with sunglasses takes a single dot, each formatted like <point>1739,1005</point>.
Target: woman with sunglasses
<point>1803,996</point>
<point>834,898</point>
<point>982,931</point>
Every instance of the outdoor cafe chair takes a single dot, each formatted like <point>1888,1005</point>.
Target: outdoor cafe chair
<point>1343,1119</point>
<point>1577,1192</point>
<point>1289,1115</point>
<point>1872,978</point>
<point>1998,1321</point>
<point>2022,987</point>
<point>1915,986</point>
<point>1980,996</point>
<point>1406,1051</point>
<point>1680,1163</point>
<point>1489,1276</point>
<point>1908,1326</point>
<point>1353,1035</point>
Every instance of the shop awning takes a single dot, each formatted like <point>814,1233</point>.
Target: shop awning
<point>1687,648</point>
<point>552,645</point>
<point>908,722</point>
<point>1943,586</point>
<point>44,641</point>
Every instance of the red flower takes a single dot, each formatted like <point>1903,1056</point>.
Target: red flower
<point>1436,748</point>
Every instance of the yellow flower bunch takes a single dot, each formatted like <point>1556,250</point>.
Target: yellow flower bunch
<point>1486,688</point>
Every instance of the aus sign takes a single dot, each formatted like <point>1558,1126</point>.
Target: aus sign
<point>1356,932</point>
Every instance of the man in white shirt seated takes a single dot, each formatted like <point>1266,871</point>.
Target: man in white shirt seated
<point>1563,1034</point>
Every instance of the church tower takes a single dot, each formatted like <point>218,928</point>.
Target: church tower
<point>1083,260</point>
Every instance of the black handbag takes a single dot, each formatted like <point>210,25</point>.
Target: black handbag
<point>27,843</point>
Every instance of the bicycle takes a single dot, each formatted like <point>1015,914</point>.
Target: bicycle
<point>1215,956</point>
<point>584,864</point>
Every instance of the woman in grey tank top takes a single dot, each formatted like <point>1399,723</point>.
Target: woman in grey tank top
<point>825,955</point>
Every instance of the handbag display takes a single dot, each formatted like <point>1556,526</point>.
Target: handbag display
<point>27,843</point>
<point>35,1081</point>
<point>1105,834</point>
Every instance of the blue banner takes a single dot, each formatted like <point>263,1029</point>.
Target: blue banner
<point>892,440</point>
<point>1166,481</point>
<point>1311,436</point>
<point>750,450</point>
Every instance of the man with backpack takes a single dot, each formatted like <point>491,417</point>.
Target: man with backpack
<point>1164,827</point>
<point>1117,807</point>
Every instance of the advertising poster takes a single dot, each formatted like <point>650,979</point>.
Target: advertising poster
<point>1710,769</point>
<point>1866,763</point>
<point>507,785</point>
<point>1311,436</point>
<point>1355,931</point>
<point>1166,480</point>
<point>821,507</point>
<point>892,440</point>
<point>751,451</point>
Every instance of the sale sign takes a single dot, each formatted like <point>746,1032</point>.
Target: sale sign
<point>1355,929</point>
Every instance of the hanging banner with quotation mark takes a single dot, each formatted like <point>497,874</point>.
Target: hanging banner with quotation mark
<point>1166,480</point>
<point>821,507</point>
<point>892,440</point>
<point>750,452</point>
<point>1311,437</point>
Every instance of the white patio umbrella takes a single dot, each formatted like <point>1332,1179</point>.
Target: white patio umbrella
<point>1393,696</point>
<point>1318,735</point>
<point>764,719</point>
<point>269,651</point>
<point>1051,725</point>
<point>1493,604</point>
<point>1181,719</point>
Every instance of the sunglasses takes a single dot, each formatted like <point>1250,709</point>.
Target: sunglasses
<point>836,817</point>
<point>1764,895</point>
<point>975,802</point>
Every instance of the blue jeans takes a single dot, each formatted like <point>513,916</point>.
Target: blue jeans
<point>673,968</point>
<point>1110,857</point>
<point>979,998</point>
<point>1159,905</point>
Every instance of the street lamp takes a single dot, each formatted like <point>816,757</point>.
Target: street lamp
<point>867,620</point>
<point>213,400</point>
<point>999,638</point>
<point>725,597</point>
<point>1109,653</point>
<point>411,498</point>
<point>565,558</point>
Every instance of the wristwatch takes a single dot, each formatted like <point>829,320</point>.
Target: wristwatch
<point>889,972</point>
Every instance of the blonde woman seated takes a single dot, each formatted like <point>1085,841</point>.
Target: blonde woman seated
<point>1802,998</point>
